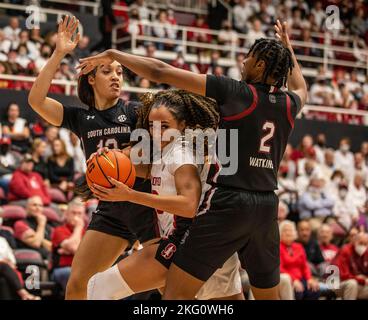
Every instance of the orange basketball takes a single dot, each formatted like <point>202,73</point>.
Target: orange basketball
<point>114,164</point>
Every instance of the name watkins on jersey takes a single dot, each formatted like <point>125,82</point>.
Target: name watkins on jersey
<point>260,163</point>
<point>108,131</point>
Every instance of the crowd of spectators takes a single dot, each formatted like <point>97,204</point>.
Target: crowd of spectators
<point>323,210</point>
<point>25,52</point>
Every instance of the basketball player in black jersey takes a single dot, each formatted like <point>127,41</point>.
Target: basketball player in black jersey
<point>106,123</point>
<point>240,212</point>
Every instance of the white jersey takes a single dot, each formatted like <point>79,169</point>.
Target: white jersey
<point>174,155</point>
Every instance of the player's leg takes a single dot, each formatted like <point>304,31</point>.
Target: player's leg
<point>212,239</point>
<point>225,283</point>
<point>97,252</point>
<point>261,256</point>
<point>137,273</point>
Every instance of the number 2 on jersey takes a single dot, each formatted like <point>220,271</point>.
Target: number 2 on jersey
<point>269,128</point>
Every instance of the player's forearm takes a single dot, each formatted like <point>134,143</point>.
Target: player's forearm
<point>41,86</point>
<point>179,205</point>
<point>296,80</point>
<point>149,68</point>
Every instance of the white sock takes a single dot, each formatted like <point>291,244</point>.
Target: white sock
<point>108,285</point>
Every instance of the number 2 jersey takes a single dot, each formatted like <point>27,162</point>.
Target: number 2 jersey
<point>174,155</point>
<point>263,118</point>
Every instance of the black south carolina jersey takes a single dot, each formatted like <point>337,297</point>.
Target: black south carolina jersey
<point>263,118</point>
<point>97,129</point>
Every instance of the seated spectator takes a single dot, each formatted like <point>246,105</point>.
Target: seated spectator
<point>364,151</point>
<point>255,32</point>
<point>163,29</point>
<point>5,45</point>
<point>242,12</point>
<point>311,246</point>
<point>315,204</point>
<point>23,56</point>
<point>320,147</point>
<point>34,232</point>
<point>135,27</point>
<point>344,158</point>
<point>9,272</point>
<point>12,62</point>
<point>321,92</point>
<point>309,155</point>
<point>357,195</point>
<point>283,211</point>
<point>65,241</point>
<point>60,167</point>
<point>346,213</point>
<point>141,7</point>
<point>352,262</point>
<point>9,161</point>
<point>363,219</point>
<point>12,31</point>
<point>36,38</point>
<point>305,145</point>
<point>45,54</point>
<point>332,187</point>
<point>328,249</point>
<point>76,153</point>
<point>359,167</point>
<point>26,183</point>
<point>319,13</point>
<point>227,35</point>
<point>200,36</point>
<point>38,157</point>
<point>64,72</point>
<point>234,72</point>
<point>303,181</point>
<point>16,128</point>
<point>33,51</point>
<point>6,234</point>
<point>179,62</point>
<point>51,134</point>
<point>327,167</point>
<point>293,262</point>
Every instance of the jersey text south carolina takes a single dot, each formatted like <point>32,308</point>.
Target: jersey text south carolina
<point>107,131</point>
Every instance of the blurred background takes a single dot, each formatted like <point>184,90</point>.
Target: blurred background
<point>323,178</point>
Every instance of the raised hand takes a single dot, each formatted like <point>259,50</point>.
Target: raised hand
<point>64,42</point>
<point>282,33</point>
<point>90,63</point>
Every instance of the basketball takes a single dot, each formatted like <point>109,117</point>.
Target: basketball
<point>114,164</point>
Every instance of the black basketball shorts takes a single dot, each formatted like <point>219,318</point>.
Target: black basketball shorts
<point>235,221</point>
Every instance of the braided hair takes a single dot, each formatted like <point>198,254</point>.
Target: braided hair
<point>197,111</point>
<point>278,59</point>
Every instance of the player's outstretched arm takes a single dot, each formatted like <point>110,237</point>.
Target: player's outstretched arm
<point>149,68</point>
<point>296,82</point>
<point>50,109</point>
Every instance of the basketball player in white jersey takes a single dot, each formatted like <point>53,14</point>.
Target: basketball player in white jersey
<point>178,187</point>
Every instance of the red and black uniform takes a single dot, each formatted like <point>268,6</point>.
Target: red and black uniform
<point>239,214</point>
<point>111,128</point>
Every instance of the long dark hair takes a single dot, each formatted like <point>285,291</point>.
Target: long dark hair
<point>85,90</point>
<point>196,110</point>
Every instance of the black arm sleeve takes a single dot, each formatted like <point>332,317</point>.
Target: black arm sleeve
<point>233,97</point>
